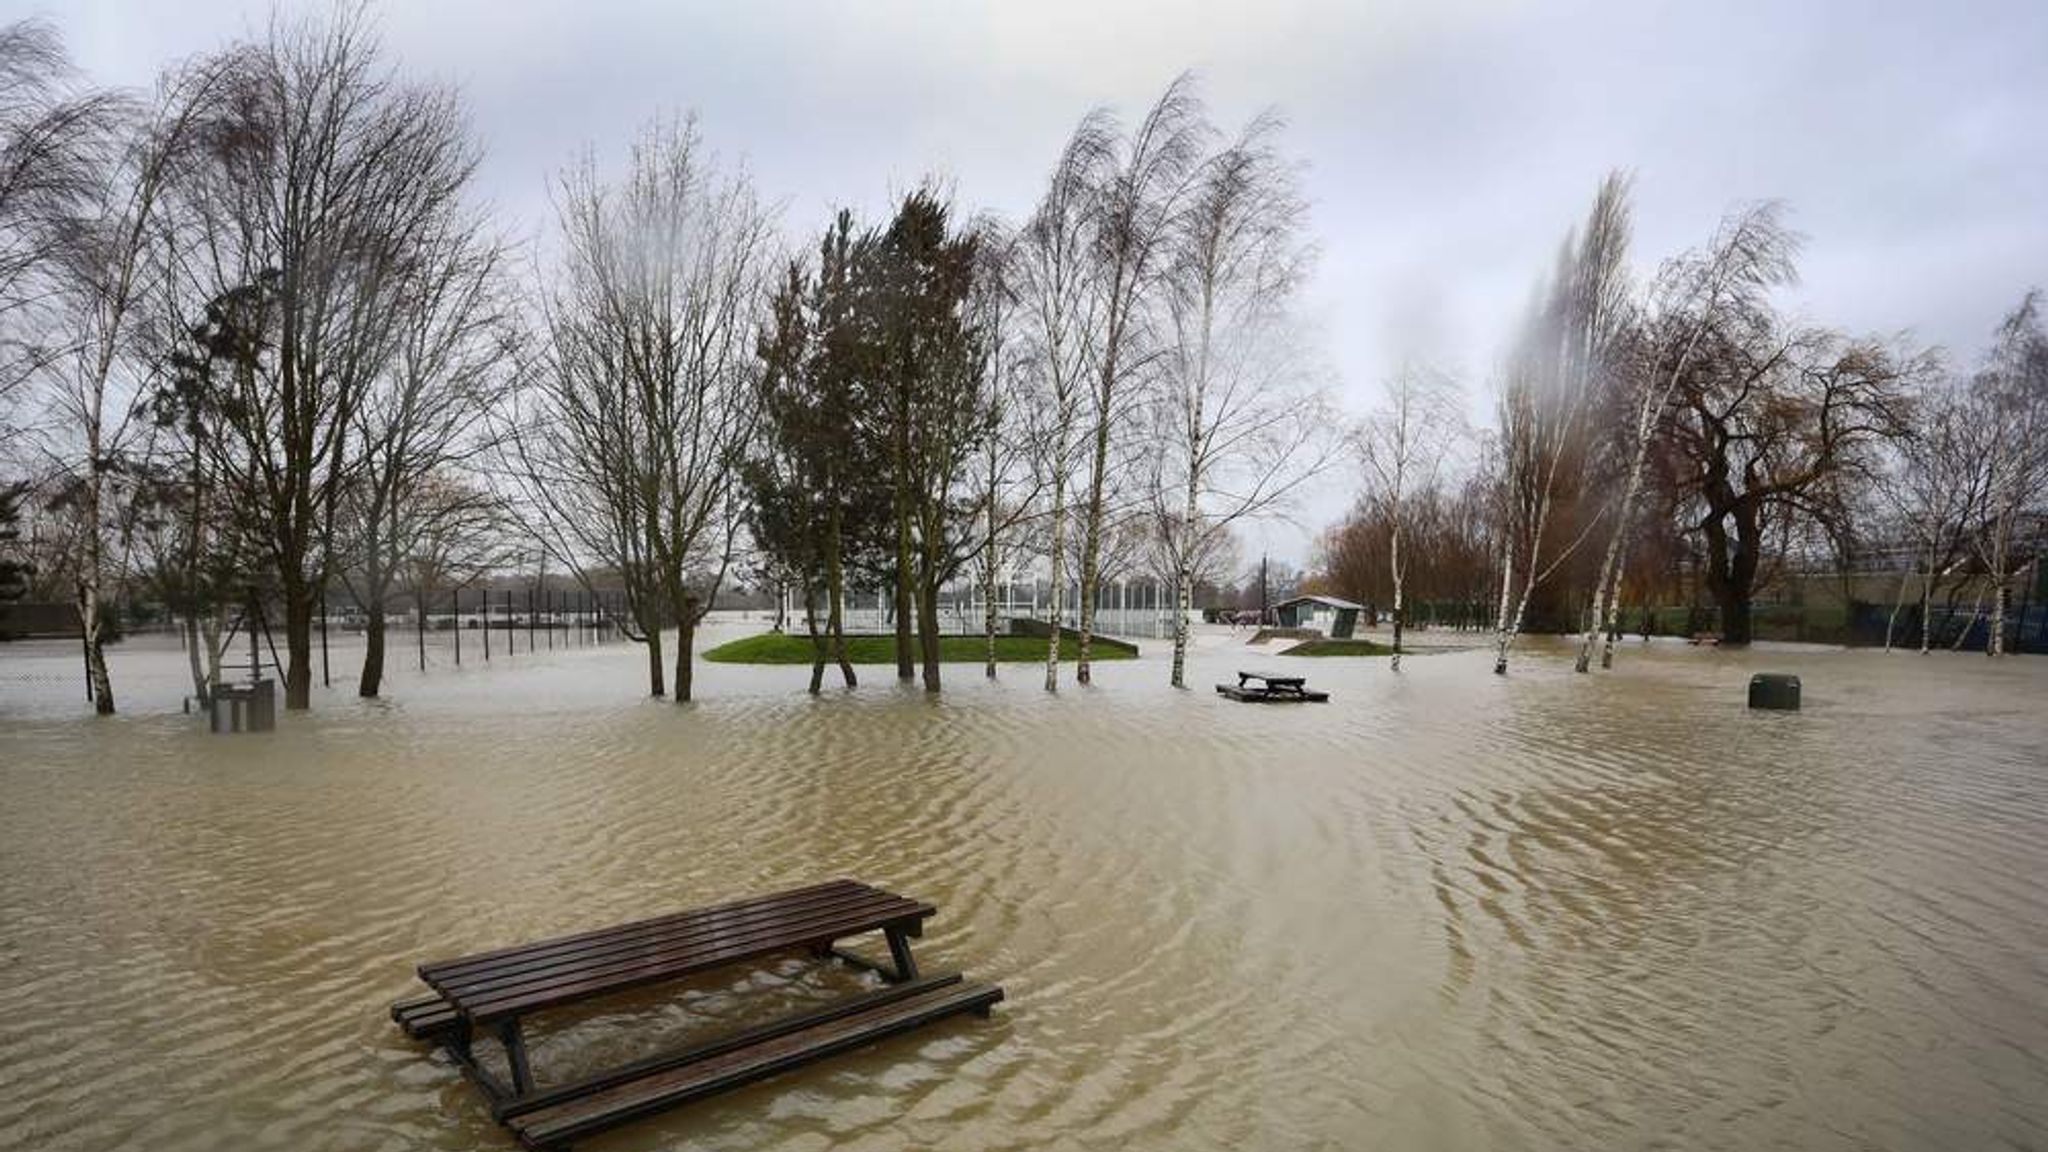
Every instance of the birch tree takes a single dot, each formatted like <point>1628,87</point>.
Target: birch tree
<point>53,165</point>
<point>1560,361</point>
<point>1138,184</point>
<point>1695,295</point>
<point>1236,431</point>
<point>1060,314</point>
<point>2014,406</point>
<point>1008,487</point>
<point>105,276</point>
<point>1404,445</point>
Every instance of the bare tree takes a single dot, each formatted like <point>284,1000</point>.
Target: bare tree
<point>1236,432</point>
<point>1008,488</point>
<point>1935,488</point>
<point>324,176</point>
<point>423,415</point>
<point>2013,401</point>
<point>1137,188</point>
<point>1404,445</point>
<point>1061,312</point>
<point>104,276</point>
<point>54,162</point>
<point>643,400</point>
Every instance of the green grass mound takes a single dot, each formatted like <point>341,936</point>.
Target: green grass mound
<point>786,648</point>
<point>1339,648</point>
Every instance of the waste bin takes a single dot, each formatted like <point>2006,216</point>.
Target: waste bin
<point>245,707</point>
<point>1778,691</point>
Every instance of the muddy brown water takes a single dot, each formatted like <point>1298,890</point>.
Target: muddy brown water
<point>1446,910</point>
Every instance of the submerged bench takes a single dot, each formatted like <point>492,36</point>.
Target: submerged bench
<point>495,991</point>
<point>1272,688</point>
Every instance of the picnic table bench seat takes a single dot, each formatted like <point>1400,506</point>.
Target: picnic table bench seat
<point>495,990</point>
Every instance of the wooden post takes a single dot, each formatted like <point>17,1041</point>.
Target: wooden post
<point>420,604</point>
<point>487,622</point>
<point>455,605</point>
<point>899,953</point>
<point>515,1055</point>
<point>529,618</point>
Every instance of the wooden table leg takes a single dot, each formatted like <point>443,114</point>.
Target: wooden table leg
<point>515,1055</point>
<point>899,952</point>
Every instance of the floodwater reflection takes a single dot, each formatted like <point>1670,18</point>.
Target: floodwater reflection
<point>1445,910</point>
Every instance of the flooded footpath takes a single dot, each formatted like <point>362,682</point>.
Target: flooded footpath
<point>1445,910</point>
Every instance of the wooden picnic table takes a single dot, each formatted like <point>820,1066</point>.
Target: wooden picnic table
<point>497,990</point>
<point>1273,687</point>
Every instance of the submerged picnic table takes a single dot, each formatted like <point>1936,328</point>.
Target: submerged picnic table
<point>1273,687</point>
<point>495,991</point>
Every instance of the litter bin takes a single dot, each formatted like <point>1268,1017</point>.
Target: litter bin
<point>245,707</point>
<point>1777,691</point>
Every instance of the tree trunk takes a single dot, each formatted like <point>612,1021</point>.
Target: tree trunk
<point>1502,636</point>
<point>1394,560</point>
<point>686,642</point>
<point>988,591</point>
<point>1731,574</point>
<point>1734,604</point>
<point>1183,603</point>
<point>1059,542</point>
<point>928,632</point>
<point>1091,549</point>
<point>650,628</point>
<point>201,690</point>
<point>95,650</point>
<point>1898,605</point>
<point>818,644</point>
<point>835,592</point>
<point>298,646</point>
<point>1994,644</point>
<point>1927,605</point>
<point>373,651</point>
<point>906,598</point>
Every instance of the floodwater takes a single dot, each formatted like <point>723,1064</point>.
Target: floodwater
<point>1446,910</point>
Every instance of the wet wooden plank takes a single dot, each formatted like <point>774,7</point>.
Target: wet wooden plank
<point>620,973</point>
<point>460,984</point>
<point>556,1126</point>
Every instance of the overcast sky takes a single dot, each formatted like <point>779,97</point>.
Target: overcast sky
<point>1448,145</point>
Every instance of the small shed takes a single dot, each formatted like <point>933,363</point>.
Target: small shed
<point>1335,618</point>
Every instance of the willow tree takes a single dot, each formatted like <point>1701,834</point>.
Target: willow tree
<point>642,402</point>
<point>1771,425</point>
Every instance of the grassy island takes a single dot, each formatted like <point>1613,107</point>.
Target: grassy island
<point>1339,648</point>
